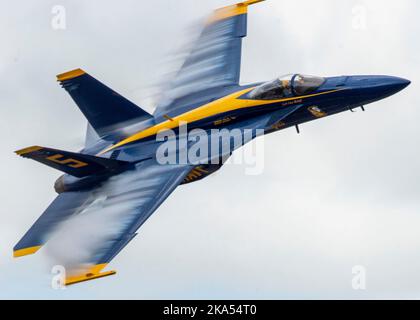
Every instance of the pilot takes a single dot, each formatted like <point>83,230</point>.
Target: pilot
<point>287,87</point>
<point>299,80</point>
<point>299,84</point>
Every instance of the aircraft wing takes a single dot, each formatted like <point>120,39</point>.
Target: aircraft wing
<point>89,234</point>
<point>63,207</point>
<point>214,61</point>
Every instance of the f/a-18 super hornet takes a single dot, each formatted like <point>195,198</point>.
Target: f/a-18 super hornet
<point>118,171</point>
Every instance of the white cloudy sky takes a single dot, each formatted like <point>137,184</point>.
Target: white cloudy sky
<point>343,193</point>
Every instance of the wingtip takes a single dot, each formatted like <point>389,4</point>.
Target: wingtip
<point>88,277</point>
<point>27,150</point>
<point>90,274</point>
<point>70,74</point>
<point>25,251</point>
<point>231,11</point>
<point>250,2</point>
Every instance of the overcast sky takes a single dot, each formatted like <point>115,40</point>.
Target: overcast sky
<point>343,193</point>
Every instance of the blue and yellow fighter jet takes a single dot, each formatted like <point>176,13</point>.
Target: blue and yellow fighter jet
<point>121,139</point>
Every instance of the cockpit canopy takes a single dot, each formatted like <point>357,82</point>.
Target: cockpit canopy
<point>286,86</point>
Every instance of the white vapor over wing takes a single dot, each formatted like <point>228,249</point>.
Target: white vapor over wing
<point>205,65</point>
<point>124,201</point>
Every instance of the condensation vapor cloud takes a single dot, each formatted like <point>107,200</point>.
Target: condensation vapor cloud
<point>120,205</point>
<point>208,58</point>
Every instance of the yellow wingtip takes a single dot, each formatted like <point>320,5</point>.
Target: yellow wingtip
<point>25,251</point>
<point>28,150</point>
<point>232,10</point>
<point>70,74</point>
<point>250,2</point>
<point>90,274</point>
<point>74,280</point>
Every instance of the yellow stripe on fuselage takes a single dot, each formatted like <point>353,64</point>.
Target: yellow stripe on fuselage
<point>222,105</point>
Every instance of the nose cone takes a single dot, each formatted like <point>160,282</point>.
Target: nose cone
<point>391,84</point>
<point>403,82</point>
<point>374,88</point>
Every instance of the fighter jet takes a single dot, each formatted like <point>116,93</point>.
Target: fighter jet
<point>120,172</point>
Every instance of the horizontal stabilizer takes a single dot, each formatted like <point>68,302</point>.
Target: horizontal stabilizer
<point>75,164</point>
<point>105,109</point>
